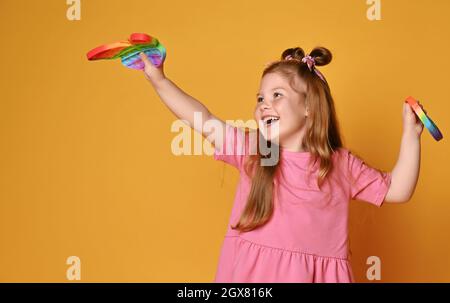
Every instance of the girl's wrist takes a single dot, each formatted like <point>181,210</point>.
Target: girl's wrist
<point>410,134</point>
<point>158,83</point>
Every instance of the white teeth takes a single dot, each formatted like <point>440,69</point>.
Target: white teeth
<point>266,119</point>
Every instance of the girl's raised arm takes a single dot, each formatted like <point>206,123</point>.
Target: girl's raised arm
<point>180,103</point>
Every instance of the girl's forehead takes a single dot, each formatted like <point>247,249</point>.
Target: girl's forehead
<point>274,81</point>
<point>274,77</point>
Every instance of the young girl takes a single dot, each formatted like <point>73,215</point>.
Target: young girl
<point>289,221</point>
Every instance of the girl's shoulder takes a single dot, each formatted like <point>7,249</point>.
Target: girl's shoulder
<point>342,152</point>
<point>342,157</point>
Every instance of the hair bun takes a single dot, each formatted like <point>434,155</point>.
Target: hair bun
<point>321,55</point>
<point>296,53</point>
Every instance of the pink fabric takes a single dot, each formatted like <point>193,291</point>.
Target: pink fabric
<point>311,65</point>
<point>306,238</point>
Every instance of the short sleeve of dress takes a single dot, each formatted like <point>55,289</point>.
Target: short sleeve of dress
<point>367,183</point>
<point>234,146</point>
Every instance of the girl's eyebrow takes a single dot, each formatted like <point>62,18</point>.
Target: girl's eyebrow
<point>272,90</point>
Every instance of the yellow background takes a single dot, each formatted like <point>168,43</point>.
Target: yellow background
<point>86,162</point>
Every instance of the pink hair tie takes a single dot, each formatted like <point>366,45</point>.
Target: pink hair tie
<point>311,65</point>
<point>310,61</point>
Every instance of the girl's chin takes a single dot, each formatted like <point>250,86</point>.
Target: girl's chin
<point>271,132</point>
<point>271,137</point>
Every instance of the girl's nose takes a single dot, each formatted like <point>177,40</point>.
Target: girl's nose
<point>266,104</point>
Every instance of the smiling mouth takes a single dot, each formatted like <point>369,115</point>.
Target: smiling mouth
<point>270,120</point>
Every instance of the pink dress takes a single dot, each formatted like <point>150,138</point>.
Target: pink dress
<point>306,239</point>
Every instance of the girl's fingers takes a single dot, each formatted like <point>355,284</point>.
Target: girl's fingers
<point>144,59</point>
<point>407,107</point>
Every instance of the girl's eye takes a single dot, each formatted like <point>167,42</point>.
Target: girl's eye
<point>260,99</point>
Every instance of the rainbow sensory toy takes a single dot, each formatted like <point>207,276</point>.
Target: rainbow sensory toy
<point>426,120</point>
<point>128,51</point>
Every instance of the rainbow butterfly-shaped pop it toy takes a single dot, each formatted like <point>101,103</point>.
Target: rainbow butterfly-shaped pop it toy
<point>128,51</point>
<point>426,120</point>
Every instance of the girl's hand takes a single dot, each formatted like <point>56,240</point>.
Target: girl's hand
<point>411,123</point>
<point>152,73</point>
